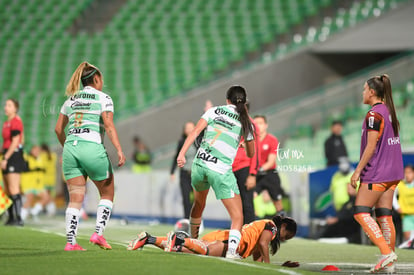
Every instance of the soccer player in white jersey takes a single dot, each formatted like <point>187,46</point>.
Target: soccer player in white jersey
<point>88,114</point>
<point>212,164</point>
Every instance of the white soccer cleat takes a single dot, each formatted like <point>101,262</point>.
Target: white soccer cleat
<point>384,261</point>
<point>389,269</point>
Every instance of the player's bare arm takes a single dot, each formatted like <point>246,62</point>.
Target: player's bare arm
<point>201,124</point>
<point>271,161</point>
<point>366,156</point>
<point>263,245</point>
<point>60,128</point>
<point>108,120</point>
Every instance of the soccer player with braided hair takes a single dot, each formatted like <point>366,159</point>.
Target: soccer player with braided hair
<point>212,166</point>
<point>256,239</point>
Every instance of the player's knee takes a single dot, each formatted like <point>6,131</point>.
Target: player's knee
<point>77,192</point>
<point>361,211</point>
<point>380,212</point>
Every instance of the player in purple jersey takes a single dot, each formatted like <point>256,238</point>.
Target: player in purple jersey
<point>379,170</point>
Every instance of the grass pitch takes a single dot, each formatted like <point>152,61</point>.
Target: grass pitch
<point>37,248</point>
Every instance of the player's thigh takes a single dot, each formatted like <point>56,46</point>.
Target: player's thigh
<point>224,185</point>
<point>217,249</point>
<point>70,165</point>
<point>366,196</point>
<point>199,178</point>
<point>95,161</point>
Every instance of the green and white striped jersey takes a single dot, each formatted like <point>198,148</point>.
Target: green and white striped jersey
<point>84,111</point>
<point>221,139</point>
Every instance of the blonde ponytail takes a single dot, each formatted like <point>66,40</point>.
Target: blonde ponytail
<point>74,82</point>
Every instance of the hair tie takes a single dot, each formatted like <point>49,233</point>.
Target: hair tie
<point>89,75</point>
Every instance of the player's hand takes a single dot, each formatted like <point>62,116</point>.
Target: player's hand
<point>250,182</point>
<point>181,161</point>
<point>290,264</point>
<point>121,158</point>
<point>355,179</point>
<point>172,177</point>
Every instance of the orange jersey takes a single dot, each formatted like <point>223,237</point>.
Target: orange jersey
<point>250,235</point>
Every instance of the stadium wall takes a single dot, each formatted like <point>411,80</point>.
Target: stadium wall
<point>153,197</point>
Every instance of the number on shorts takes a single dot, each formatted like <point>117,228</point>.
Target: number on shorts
<point>78,119</point>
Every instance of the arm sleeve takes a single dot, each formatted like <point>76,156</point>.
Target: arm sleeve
<point>271,227</point>
<point>249,137</point>
<point>16,127</point>
<point>373,121</point>
<point>329,150</point>
<point>207,115</point>
<point>63,109</point>
<point>275,144</point>
<point>107,104</point>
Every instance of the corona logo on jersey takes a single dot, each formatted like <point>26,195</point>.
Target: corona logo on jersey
<point>84,96</point>
<point>220,111</point>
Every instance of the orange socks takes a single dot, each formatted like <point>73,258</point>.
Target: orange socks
<point>160,242</point>
<point>196,246</point>
<point>371,228</point>
<point>388,230</point>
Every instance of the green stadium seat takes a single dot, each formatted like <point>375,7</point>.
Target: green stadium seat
<point>152,50</point>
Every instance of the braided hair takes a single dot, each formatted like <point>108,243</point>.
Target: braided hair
<point>290,226</point>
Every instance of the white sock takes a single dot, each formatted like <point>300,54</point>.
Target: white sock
<point>195,227</point>
<point>51,208</point>
<point>234,240</point>
<point>24,213</point>
<point>72,222</point>
<point>36,209</point>
<point>102,215</point>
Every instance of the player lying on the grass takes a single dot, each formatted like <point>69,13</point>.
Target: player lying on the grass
<point>255,240</point>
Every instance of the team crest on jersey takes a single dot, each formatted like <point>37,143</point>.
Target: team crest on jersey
<point>371,122</point>
<point>274,230</point>
<point>265,146</point>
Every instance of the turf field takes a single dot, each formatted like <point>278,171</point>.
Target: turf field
<point>37,248</point>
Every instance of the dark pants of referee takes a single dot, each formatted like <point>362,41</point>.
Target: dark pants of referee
<point>245,195</point>
<point>270,181</point>
<point>186,191</point>
<point>15,164</point>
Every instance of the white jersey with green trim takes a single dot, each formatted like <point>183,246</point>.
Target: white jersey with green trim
<point>84,111</point>
<point>221,139</point>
